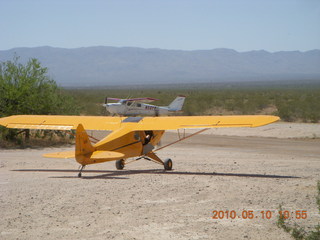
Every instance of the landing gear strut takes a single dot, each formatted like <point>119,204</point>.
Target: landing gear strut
<point>80,171</point>
<point>167,164</point>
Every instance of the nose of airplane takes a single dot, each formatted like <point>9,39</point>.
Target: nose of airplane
<point>111,107</point>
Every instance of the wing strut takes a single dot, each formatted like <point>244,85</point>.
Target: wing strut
<point>181,139</point>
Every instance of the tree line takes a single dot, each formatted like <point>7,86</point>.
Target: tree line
<point>27,89</point>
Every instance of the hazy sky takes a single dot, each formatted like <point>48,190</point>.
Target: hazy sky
<point>243,25</point>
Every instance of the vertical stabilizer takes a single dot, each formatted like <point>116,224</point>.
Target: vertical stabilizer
<point>84,149</point>
<point>177,104</point>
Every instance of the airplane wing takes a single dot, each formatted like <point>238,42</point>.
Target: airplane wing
<point>174,122</point>
<point>56,122</point>
<point>143,100</point>
<point>114,99</point>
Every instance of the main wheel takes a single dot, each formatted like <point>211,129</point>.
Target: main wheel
<point>168,164</point>
<point>120,164</point>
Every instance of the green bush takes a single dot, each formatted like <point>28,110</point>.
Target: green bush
<point>298,232</point>
<point>26,89</point>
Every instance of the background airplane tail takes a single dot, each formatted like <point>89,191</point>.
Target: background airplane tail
<point>177,104</point>
<point>84,149</point>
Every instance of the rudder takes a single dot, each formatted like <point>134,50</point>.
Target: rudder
<point>177,104</point>
<point>84,148</point>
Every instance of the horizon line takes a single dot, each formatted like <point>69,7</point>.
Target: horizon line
<point>164,49</point>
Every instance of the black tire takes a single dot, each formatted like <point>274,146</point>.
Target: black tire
<point>120,164</point>
<point>168,164</point>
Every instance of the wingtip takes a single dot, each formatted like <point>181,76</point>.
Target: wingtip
<point>267,119</point>
<point>3,121</point>
<point>275,119</point>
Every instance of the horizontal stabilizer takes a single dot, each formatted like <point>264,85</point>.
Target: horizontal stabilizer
<point>95,155</point>
<point>106,154</point>
<point>67,154</point>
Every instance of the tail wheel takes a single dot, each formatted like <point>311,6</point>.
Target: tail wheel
<point>167,164</point>
<point>120,164</point>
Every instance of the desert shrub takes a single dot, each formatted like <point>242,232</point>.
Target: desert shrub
<point>26,89</point>
<point>298,232</point>
<point>297,104</point>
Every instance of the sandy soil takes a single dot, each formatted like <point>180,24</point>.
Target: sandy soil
<point>240,170</point>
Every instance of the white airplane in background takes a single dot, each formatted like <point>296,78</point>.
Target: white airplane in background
<point>139,106</point>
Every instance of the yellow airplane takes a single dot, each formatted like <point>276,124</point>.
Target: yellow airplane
<point>130,137</point>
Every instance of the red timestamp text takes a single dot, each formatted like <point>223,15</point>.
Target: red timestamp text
<point>261,214</point>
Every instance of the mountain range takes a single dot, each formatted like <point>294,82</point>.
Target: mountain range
<point>111,66</point>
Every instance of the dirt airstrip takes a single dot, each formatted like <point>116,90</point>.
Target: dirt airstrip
<point>247,172</point>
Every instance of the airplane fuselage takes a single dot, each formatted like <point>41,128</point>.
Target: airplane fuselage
<point>135,109</point>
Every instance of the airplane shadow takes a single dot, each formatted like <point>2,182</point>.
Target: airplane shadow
<point>122,174</point>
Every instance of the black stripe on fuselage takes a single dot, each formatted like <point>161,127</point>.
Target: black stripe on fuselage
<point>125,145</point>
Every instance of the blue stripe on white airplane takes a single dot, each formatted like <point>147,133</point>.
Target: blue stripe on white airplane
<point>140,106</point>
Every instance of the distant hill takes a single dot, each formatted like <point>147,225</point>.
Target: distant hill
<point>94,66</point>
